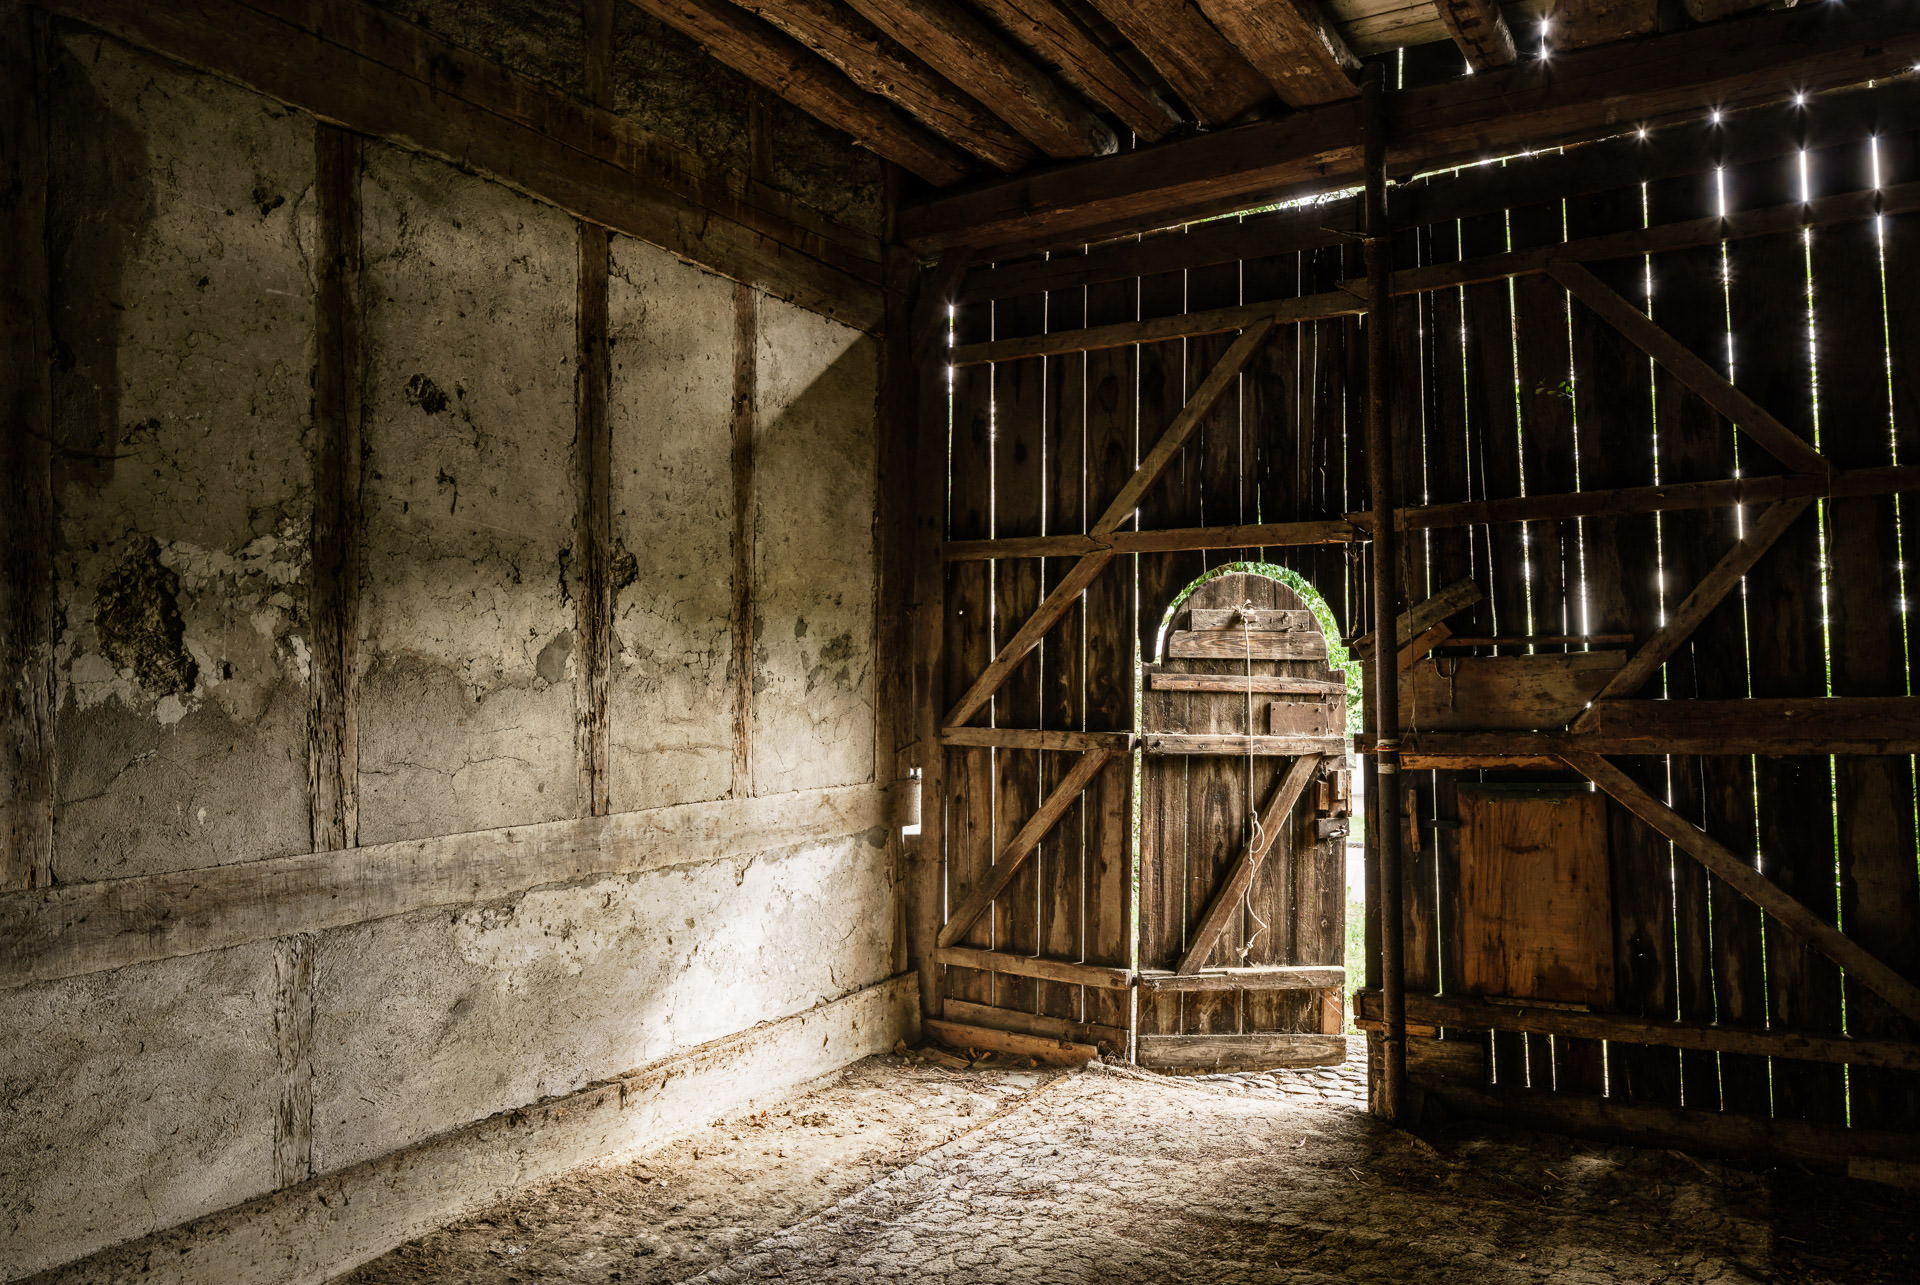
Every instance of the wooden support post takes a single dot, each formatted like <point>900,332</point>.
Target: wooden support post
<point>1286,793</point>
<point>746,339</point>
<point>1023,843</point>
<point>26,434</point>
<point>593,530</point>
<point>1750,883</point>
<point>1157,461</point>
<point>1383,836</point>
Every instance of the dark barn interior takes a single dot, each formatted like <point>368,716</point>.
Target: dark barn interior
<point>978,640</point>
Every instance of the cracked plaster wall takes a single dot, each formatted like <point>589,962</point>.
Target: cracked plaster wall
<point>184,294</point>
<point>468,501</point>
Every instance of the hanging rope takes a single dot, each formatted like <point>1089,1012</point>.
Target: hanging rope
<point>1254,831</point>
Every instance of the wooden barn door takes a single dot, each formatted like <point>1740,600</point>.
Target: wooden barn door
<point>1243,825</point>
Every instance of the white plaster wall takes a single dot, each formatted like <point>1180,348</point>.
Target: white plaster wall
<point>466,689</point>
<point>670,702</point>
<point>181,223</point>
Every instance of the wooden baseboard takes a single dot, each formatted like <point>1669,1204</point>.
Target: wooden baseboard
<point>1200,1053</point>
<point>308,1234</point>
<point>1055,1028</point>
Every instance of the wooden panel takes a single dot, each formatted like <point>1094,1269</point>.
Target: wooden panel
<point>1462,693</point>
<point>1269,977</point>
<point>1255,619</point>
<point>1306,717</point>
<point>1536,915</point>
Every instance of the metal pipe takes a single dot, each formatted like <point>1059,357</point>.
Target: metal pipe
<point>1385,833</point>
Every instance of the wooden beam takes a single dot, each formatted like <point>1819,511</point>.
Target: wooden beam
<point>1462,1012</point>
<point>1851,484</point>
<point>1251,644</point>
<point>1292,44</point>
<point>880,66</point>
<point>1201,65</point>
<point>1201,1053</point>
<point>1750,883</point>
<point>1048,970</point>
<point>1706,595</point>
<point>1053,33</point>
<point>1685,365</point>
<point>73,929</point>
<point>1577,24</point>
<point>1253,535</point>
<point>1053,1052</point>
<point>1239,877</point>
<point>1416,651</point>
<point>593,523</point>
<point>1022,845</point>
<point>1784,726</point>
<point>1058,1028</point>
<point>1418,620</point>
<point>1239,745</point>
<point>1532,104</point>
<point>1022,738</point>
<point>1260,977</point>
<point>367,70</point>
<point>1156,463</point>
<point>1214,321</point>
<point>979,61</point>
<point>1160,681</point>
<point>1480,30</point>
<point>744,426</point>
<point>809,82</point>
<point>26,461</point>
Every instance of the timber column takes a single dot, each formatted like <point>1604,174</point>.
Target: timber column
<point>1383,836</point>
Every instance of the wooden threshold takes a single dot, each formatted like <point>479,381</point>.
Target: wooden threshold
<point>1202,1053</point>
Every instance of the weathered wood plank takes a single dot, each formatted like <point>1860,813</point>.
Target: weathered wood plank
<point>1055,1028</point>
<point>593,523</point>
<point>1256,619</point>
<point>1259,977</point>
<point>744,416</point>
<point>1292,44</point>
<point>1202,1053</point>
<point>1235,644</point>
<point>1026,738</point>
<point>1236,744</point>
<point>75,929</point>
<point>293,1049</point>
<point>1471,693</point>
<point>1252,535</point>
<point>1750,883</point>
<point>1227,893</point>
<point>1480,30</point>
<point>1053,33</point>
<point>1580,23</point>
<point>1160,681</point>
<point>1053,1052</point>
<point>1202,66</point>
<point>1011,857</point>
<point>1052,970</point>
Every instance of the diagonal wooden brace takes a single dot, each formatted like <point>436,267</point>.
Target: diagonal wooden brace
<point>994,881</point>
<point>1286,793</point>
<point>1790,914</point>
<point>1714,586</point>
<point>1158,460</point>
<point>1683,364</point>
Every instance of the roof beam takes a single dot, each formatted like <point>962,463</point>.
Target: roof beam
<point>810,83</point>
<point>1481,31</point>
<point>1202,66</point>
<point>880,66</point>
<point>1576,24</point>
<point>1292,44</point>
<point>1535,103</point>
<point>1058,37</point>
<point>979,61</point>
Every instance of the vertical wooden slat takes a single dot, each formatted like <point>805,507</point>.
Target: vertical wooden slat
<point>1019,396</point>
<point>1793,795</point>
<point>744,416</point>
<point>293,1052</point>
<point>593,525</point>
<point>26,518</point>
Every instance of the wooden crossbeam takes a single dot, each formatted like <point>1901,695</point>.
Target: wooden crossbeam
<point>1273,819</point>
<point>1291,43</point>
<point>1259,977</point>
<point>1252,535</point>
<point>1788,912</point>
<point>1685,365</point>
<point>1036,966</point>
<point>1480,30</point>
<point>1023,843</point>
<point>1158,460</point>
<point>1030,738</point>
<point>1199,63</point>
<point>1706,595</point>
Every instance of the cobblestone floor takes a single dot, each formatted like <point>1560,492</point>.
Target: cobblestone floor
<point>897,1171</point>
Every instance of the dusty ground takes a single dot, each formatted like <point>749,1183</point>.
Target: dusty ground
<point>898,1170</point>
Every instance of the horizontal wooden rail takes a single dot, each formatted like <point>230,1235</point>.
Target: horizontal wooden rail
<point>1466,1013</point>
<point>1050,970</point>
<point>1350,298</point>
<point>1030,738</point>
<point>72,929</point>
<point>1239,744</point>
<point>1273,977</point>
<point>1783,726</point>
<point>1255,535</point>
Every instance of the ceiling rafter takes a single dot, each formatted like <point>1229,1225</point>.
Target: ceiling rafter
<point>1480,30</point>
<point>1292,44</point>
<point>1202,66</point>
<point>1058,37</point>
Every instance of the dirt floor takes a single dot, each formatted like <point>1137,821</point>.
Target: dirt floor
<point>902,1168</point>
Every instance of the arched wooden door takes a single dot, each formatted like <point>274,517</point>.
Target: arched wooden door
<point>1243,825</point>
